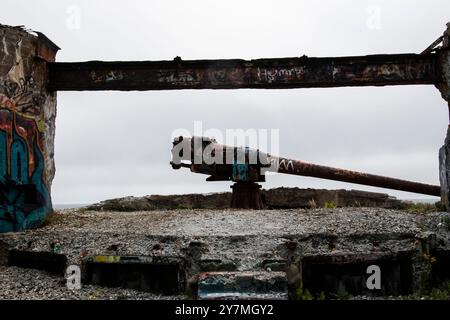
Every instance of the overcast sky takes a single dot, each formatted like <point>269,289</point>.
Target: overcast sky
<point>112,144</point>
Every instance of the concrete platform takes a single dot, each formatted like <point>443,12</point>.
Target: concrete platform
<point>413,248</point>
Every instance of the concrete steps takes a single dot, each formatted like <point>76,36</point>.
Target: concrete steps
<point>243,285</point>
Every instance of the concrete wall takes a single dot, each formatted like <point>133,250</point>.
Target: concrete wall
<point>27,129</point>
<point>444,152</point>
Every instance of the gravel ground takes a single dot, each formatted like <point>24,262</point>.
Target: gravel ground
<point>29,284</point>
<point>343,221</point>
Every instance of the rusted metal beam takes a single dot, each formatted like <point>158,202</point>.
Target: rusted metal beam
<point>303,72</point>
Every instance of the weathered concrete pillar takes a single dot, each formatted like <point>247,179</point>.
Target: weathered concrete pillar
<point>444,171</point>
<point>444,152</point>
<point>27,128</point>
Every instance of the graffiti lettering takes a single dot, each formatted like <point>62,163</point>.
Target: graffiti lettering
<point>285,74</point>
<point>178,78</point>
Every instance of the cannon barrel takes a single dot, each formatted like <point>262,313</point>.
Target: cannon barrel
<point>295,167</point>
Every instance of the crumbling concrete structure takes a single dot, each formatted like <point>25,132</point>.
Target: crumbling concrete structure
<point>27,128</point>
<point>242,253</point>
<point>444,87</point>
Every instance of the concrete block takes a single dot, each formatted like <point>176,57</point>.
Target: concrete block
<point>242,285</point>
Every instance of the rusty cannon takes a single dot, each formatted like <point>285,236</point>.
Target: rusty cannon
<point>246,167</point>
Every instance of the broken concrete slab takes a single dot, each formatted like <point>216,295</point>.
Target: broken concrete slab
<point>242,285</point>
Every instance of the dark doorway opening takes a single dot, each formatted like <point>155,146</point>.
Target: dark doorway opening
<point>336,276</point>
<point>441,268</point>
<point>51,262</point>
<point>162,275</point>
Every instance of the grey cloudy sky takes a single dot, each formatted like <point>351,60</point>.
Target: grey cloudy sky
<point>111,144</point>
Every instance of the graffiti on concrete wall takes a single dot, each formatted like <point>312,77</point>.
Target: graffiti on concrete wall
<point>24,196</point>
<point>27,129</point>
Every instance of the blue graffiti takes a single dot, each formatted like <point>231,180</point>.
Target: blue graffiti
<point>240,171</point>
<point>24,199</point>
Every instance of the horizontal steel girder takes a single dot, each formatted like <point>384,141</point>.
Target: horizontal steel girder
<point>283,73</point>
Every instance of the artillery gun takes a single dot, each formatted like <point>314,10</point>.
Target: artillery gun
<point>247,167</point>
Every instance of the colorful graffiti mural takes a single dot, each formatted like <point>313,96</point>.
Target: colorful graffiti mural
<point>24,197</point>
<point>27,128</point>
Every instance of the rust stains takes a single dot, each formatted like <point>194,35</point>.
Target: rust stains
<point>303,72</point>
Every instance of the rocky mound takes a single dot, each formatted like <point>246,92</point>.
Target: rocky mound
<point>279,198</point>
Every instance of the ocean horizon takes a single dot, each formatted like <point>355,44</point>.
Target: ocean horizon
<point>69,206</point>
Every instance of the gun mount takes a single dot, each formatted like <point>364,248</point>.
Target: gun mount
<point>246,167</point>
